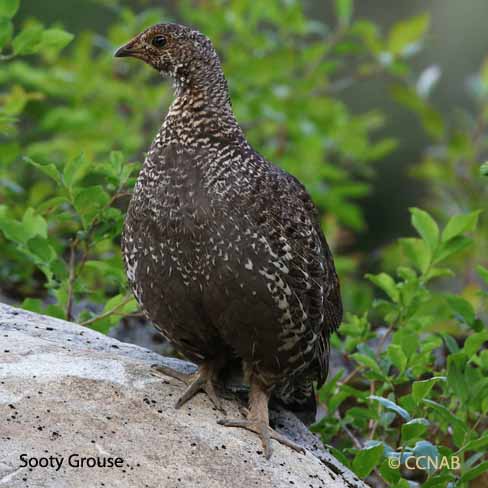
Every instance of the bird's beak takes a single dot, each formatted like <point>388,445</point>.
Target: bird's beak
<point>129,49</point>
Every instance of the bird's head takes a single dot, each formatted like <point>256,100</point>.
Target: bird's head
<point>177,51</point>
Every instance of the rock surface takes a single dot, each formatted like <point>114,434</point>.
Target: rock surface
<point>68,391</point>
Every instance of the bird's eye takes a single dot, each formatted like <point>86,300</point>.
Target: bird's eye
<point>158,41</point>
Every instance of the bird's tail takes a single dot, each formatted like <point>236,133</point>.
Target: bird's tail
<point>299,399</point>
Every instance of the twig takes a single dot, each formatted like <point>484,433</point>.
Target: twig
<point>341,84</point>
<point>71,279</point>
<point>135,315</point>
<point>351,375</point>
<point>75,270</point>
<point>357,369</point>
<point>331,41</point>
<point>477,423</point>
<point>354,439</point>
<point>385,336</point>
<point>127,299</point>
<point>118,195</point>
<point>373,423</point>
<point>73,273</point>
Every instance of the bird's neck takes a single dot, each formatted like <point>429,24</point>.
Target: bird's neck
<point>202,106</point>
<point>202,84</point>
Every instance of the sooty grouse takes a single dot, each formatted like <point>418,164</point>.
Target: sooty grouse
<point>224,250</point>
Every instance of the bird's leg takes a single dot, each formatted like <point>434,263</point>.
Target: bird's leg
<point>257,420</point>
<point>203,380</point>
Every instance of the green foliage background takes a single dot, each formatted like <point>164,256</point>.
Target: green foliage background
<point>74,124</point>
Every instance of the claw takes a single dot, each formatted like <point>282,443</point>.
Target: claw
<point>264,432</point>
<point>157,370</point>
<point>199,381</point>
<point>257,421</point>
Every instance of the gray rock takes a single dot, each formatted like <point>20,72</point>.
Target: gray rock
<point>66,390</point>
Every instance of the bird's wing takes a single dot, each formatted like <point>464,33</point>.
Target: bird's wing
<point>323,296</point>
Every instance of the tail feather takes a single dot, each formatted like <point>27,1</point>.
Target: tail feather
<point>299,399</point>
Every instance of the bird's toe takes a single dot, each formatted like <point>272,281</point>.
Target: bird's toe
<point>264,432</point>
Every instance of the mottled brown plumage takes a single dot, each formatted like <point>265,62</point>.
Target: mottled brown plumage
<point>223,250</point>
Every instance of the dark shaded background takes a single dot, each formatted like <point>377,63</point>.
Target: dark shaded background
<point>457,44</point>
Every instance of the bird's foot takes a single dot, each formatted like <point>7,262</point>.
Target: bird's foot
<point>202,380</point>
<point>264,432</point>
<point>257,420</point>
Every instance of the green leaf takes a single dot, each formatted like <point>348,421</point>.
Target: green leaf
<point>437,272</point>
<point>13,230</point>
<point>30,234</point>
<point>417,252</point>
<point>387,284</point>
<point>408,32</point>
<point>89,201</point>
<point>74,170</point>
<point>117,161</point>
<point>456,378</point>
<point>402,484</point>
<point>420,389</point>
<point>406,273</point>
<point>474,342</point>
<point>52,204</point>
<point>484,169</point>
<point>367,361</point>
<point>463,310</point>
<point>56,38</point>
<point>389,474</point>
<point>414,429</point>
<point>6,31</point>
<point>390,405</point>
<point>34,224</point>
<point>426,451</point>
<point>397,357</point>
<point>367,459</point>
<point>475,445</point>
<point>431,119</point>
<point>41,248</point>
<point>55,311</point>
<point>440,480</point>
<point>106,269</point>
<point>483,272</point>
<point>459,224</point>
<point>335,400</point>
<point>426,227</point>
<point>475,472</point>
<point>344,11</point>
<point>28,41</point>
<point>8,8</point>
<point>339,455</point>
<point>451,344</point>
<point>104,324</point>
<point>48,169</point>
<point>115,301</point>
<point>445,414</point>
<point>452,246</point>
<point>32,304</point>
<point>407,340</point>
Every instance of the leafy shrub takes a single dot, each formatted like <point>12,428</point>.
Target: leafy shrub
<point>64,187</point>
<point>74,123</point>
<point>414,390</point>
